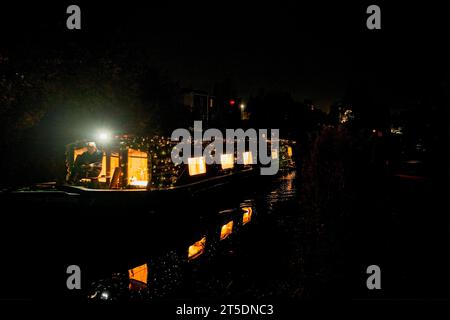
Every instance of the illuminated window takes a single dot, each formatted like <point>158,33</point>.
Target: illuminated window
<point>226,230</point>
<point>197,249</point>
<point>137,168</point>
<point>196,166</point>
<point>289,151</point>
<point>102,176</point>
<point>247,216</point>
<point>114,163</point>
<point>227,161</point>
<point>247,156</point>
<point>274,154</point>
<point>139,273</point>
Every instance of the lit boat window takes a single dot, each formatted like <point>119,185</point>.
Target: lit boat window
<point>196,165</point>
<point>114,163</point>
<point>247,157</point>
<point>227,161</point>
<point>289,151</point>
<point>137,168</point>
<point>274,154</point>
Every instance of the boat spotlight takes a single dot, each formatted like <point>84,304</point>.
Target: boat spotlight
<point>104,136</point>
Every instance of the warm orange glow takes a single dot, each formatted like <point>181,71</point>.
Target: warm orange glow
<point>196,166</point>
<point>197,249</point>
<point>137,168</point>
<point>139,273</point>
<point>102,176</point>
<point>247,215</point>
<point>114,163</point>
<point>247,156</point>
<point>227,229</point>
<point>227,161</point>
<point>78,152</point>
<point>289,151</point>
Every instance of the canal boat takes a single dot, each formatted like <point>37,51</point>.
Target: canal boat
<point>139,205</point>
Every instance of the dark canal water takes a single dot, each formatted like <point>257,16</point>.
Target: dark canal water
<point>259,259</point>
<point>279,251</point>
<point>283,254</point>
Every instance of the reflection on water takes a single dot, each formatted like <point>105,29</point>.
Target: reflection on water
<point>216,243</point>
<point>285,191</point>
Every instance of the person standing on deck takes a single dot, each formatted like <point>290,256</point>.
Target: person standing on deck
<point>87,165</point>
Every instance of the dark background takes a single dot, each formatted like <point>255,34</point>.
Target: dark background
<point>127,65</point>
<point>294,65</point>
<point>311,49</point>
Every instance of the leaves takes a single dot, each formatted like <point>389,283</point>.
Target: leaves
<point>65,94</point>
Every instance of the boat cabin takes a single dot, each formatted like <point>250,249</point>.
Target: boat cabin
<point>132,162</point>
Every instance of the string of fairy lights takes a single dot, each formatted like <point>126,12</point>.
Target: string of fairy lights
<point>162,171</point>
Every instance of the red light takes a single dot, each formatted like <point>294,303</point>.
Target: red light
<point>232,102</point>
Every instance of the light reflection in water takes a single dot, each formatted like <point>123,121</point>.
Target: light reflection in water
<point>282,190</point>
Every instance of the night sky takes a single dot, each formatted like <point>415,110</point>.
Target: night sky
<point>314,51</point>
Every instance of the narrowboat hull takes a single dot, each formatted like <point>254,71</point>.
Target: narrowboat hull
<point>103,231</point>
